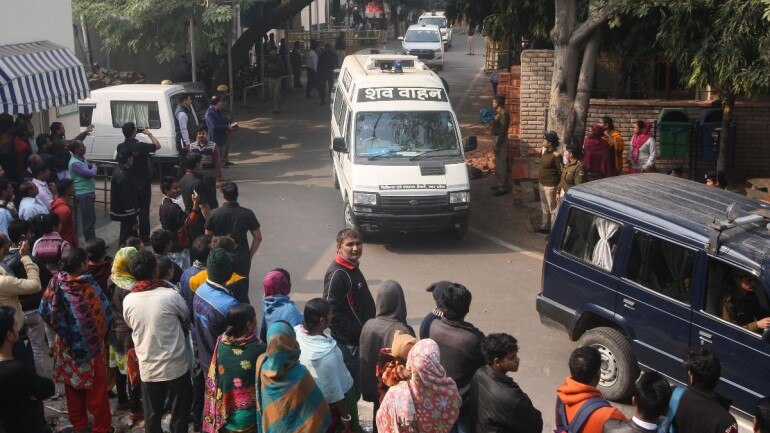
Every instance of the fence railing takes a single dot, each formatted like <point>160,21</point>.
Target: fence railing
<point>103,180</point>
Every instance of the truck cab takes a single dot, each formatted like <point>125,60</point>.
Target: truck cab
<point>396,148</point>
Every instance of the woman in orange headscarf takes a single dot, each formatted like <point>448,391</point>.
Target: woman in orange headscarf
<point>617,144</point>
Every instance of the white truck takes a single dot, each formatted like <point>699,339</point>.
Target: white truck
<point>438,18</point>
<point>149,106</point>
<point>396,148</point>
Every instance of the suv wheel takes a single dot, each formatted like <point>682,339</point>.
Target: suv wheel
<point>619,366</point>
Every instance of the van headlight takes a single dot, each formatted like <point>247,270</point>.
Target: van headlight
<point>365,198</point>
<point>459,197</point>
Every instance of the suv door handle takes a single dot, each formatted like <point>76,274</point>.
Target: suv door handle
<point>704,337</point>
<point>629,304</point>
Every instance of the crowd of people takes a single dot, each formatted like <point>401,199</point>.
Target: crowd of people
<point>602,154</point>
<point>187,342</point>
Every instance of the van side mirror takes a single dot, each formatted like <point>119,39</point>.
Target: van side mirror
<point>339,145</point>
<point>471,143</point>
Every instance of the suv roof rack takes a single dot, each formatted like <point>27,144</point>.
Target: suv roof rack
<point>732,220</point>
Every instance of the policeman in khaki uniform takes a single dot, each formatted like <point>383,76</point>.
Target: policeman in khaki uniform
<point>500,130</point>
<point>574,173</point>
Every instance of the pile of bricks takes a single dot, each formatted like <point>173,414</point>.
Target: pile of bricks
<point>483,159</point>
<point>510,87</point>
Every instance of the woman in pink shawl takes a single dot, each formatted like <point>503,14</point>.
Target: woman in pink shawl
<point>597,155</point>
<point>427,401</point>
<point>641,154</point>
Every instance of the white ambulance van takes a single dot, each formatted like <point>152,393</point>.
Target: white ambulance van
<point>149,106</point>
<point>396,146</point>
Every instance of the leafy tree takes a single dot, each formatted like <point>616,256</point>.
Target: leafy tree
<point>162,26</point>
<point>721,43</point>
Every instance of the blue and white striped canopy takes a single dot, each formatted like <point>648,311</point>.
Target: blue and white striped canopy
<point>36,76</point>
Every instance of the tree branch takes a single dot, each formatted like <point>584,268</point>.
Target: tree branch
<point>597,18</point>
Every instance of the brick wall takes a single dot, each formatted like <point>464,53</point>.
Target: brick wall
<point>752,155</point>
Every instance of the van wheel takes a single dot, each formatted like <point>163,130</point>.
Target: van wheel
<point>336,180</point>
<point>619,366</point>
<point>350,220</point>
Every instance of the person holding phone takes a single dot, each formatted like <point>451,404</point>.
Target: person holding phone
<point>11,288</point>
<point>140,171</point>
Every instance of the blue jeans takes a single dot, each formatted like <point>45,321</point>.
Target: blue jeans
<point>87,214</point>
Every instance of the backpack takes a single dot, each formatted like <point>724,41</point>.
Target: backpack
<point>666,425</point>
<point>49,250</point>
<point>582,415</point>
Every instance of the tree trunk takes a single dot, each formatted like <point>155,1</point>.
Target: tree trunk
<point>569,38</point>
<point>561,113</point>
<point>725,137</point>
<point>272,19</point>
<point>585,86</point>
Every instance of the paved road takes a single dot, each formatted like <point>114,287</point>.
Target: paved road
<point>284,174</point>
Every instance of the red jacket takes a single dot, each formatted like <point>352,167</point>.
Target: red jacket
<point>573,394</point>
<point>67,231</point>
<point>21,150</point>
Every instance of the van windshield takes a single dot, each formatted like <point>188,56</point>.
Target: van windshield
<point>441,22</point>
<point>422,36</point>
<point>406,134</point>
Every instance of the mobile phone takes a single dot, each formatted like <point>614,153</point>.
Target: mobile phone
<point>140,130</point>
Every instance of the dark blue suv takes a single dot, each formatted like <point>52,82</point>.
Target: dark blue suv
<point>643,266</point>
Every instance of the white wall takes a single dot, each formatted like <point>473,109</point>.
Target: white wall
<point>38,20</point>
<point>305,15</point>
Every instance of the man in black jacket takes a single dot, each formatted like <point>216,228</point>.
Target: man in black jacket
<point>123,205</point>
<point>460,345</point>
<point>351,301</point>
<point>496,401</point>
<point>701,409</point>
<point>140,172</point>
<point>651,400</point>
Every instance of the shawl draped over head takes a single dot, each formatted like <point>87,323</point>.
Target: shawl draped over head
<point>79,313</point>
<point>638,140</point>
<point>276,283</point>
<point>121,276</point>
<point>101,271</point>
<point>427,402</point>
<point>288,399</point>
<point>230,393</point>
<point>597,154</point>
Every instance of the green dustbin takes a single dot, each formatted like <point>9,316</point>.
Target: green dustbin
<point>673,132</point>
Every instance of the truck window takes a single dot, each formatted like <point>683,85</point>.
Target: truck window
<point>338,113</point>
<point>661,266</point>
<point>591,238</point>
<point>86,114</point>
<point>404,134</point>
<point>144,114</point>
<point>735,296</point>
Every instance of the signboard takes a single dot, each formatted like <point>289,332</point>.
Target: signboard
<point>373,9</point>
<point>374,94</point>
<point>412,186</point>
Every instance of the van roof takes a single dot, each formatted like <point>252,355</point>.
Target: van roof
<point>365,74</point>
<point>683,207</point>
<point>140,89</point>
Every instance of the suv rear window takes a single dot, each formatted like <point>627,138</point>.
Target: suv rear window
<point>591,238</point>
<point>661,266</point>
<point>144,114</point>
